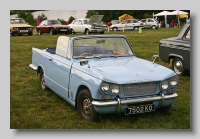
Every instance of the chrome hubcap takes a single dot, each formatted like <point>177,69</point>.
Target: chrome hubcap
<point>178,67</point>
<point>87,107</point>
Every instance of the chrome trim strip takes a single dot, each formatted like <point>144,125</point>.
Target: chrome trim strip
<point>133,101</point>
<point>33,67</point>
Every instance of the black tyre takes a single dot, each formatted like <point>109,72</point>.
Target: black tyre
<point>72,31</point>
<point>102,32</point>
<point>85,109</point>
<point>135,28</point>
<point>178,66</point>
<point>30,34</point>
<point>51,32</point>
<point>42,82</point>
<point>153,27</point>
<point>39,32</point>
<point>115,29</point>
<point>87,31</point>
<point>165,109</point>
<point>11,34</point>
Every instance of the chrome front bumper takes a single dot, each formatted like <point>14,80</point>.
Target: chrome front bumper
<point>119,102</point>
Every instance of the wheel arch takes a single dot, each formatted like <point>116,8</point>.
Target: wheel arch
<point>172,56</point>
<point>81,87</point>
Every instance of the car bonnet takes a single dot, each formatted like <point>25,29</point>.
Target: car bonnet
<point>127,70</point>
<point>95,19</point>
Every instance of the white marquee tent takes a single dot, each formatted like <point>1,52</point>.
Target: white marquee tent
<point>176,12</point>
<point>164,13</point>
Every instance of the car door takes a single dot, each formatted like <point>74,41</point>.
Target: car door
<point>42,26</point>
<point>59,67</point>
<point>145,23</point>
<point>81,26</point>
<point>60,74</point>
<point>74,26</point>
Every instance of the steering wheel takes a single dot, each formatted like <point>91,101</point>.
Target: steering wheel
<point>86,54</point>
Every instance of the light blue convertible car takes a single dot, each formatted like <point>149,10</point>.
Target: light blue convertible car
<point>100,74</point>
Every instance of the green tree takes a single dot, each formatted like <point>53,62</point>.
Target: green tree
<point>27,16</point>
<point>63,22</point>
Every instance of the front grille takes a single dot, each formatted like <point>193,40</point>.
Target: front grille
<point>139,89</point>
<point>23,28</point>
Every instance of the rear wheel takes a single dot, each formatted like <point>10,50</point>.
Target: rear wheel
<point>153,27</point>
<point>85,109</point>
<point>42,82</point>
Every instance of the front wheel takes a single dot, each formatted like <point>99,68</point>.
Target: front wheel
<point>115,29</point>
<point>72,31</point>
<point>30,34</point>
<point>165,109</point>
<point>87,31</point>
<point>85,109</point>
<point>178,66</point>
<point>39,32</point>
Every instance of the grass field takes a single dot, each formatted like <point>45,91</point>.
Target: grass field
<point>32,108</point>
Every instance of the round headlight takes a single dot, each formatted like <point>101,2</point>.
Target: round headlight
<point>115,89</point>
<point>174,81</point>
<point>164,84</point>
<point>105,86</point>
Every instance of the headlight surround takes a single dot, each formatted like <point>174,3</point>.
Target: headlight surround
<point>15,28</point>
<point>174,81</point>
<point>164,84</point>
<point>115,89</point>
<point>105,86</point>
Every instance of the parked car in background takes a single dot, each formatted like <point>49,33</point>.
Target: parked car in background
<point>19,26</point>
<point>129,24</point>
<point>88,25</point>
<point>100,74</point>
<point>52,27</point>
<point>115,22</point>
<point>177,49</point>
<point>150,23</point>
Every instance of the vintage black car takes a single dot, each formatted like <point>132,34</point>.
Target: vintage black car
<point>177,49</point>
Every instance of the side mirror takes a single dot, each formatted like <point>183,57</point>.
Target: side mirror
<point>155,58</point>
<point>83,62</point>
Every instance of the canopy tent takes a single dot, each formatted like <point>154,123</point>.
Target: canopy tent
<point>180,14</point>
<point>163,13</point>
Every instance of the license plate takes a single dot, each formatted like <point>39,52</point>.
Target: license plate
<point>139,109</point>
<point>63,29</point>
<point>23,30</point>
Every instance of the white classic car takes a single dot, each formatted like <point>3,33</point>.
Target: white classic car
<point>130,24</point>
<point>88,25</point>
